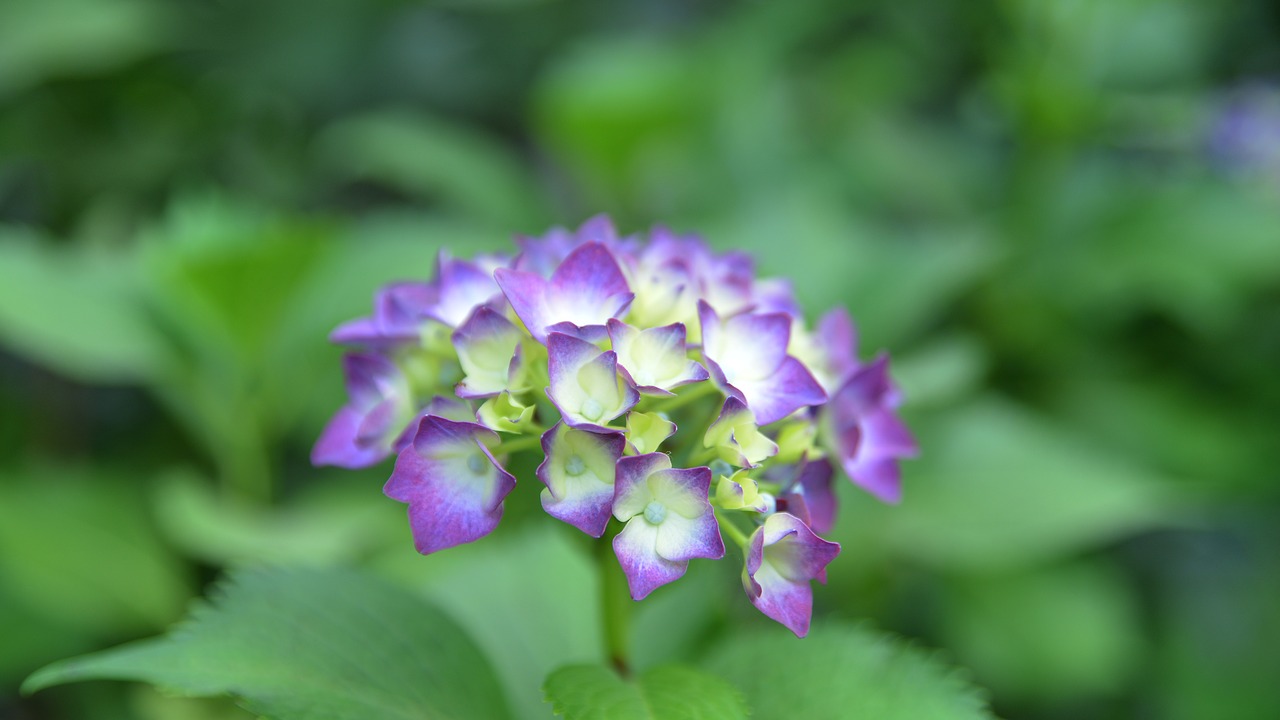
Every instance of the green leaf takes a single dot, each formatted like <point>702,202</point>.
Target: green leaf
<point>432,158</point>
<point>325,524</point>
<point>529,596</point>
<point>40,39</point>
<point>309,645</point>
<point>1054,633</point>
<point>843,671</point>
<point>76,547</point>
<point>668,692</point>
<point>75,312</point>
<point>999,487</point>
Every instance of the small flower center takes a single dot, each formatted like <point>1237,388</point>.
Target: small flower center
<point>574,466</point>
<point>655,512</point>
<point>476,463</point>
<point>592,410</point>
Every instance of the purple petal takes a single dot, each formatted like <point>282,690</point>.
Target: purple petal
<point>838,340</point>
<point>486,344</point>
<point>337,444</point>
<point>681,539</point>
<point>879,476</point>
<point>452,483</point>
<point>791,387</point>
<point>746,346</point>
<point>461,287</point>
<point>579,476</point>
<point>584,383</point>
<point>399,309</point>
<point>866,389</point>
<point>586,290</point>
<point>527,293</point>
<point>364,431</point>
<point>669,509</point>
<point>635,547</point>
<point>782,557</point>
<point>631,487</point>
<point>813,490</point>
<point>866,433</point>
<point>598,229</point>
<point>654,359</point>
<point>775,295</point>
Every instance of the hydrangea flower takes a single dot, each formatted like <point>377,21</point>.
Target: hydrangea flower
<point>672,401</point>
<point>782,557</point>
<point>669,521</point>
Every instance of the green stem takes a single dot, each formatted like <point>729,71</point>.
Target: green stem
<point>728,528</point>
<point>516,445</point>
<point>615,606</point>
<point>706,387</point>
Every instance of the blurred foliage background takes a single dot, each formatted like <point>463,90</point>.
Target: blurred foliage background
<point>1062,217</point>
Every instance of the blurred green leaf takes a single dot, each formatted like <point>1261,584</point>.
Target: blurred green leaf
<point>325,524</point>
<point>309,644</point>
<point>432,159</point>
<point>668,692</point>
<point>77,311</point>
<point>76,547</point>
<point>623,116</point>
<point>843,671</point>
<point>1051,634</point>
<point>41,39</point>
<point>946,369</point>
<point>998,487</point>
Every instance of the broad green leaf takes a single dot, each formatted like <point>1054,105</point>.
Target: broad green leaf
<point>529,597</point>
<point>667,692</point>
<point>843,671</point>
<point>998,486</point>
<point>75,311</point>
<point>309,645</point>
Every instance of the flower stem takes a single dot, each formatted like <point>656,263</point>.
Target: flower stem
<point>516,445</point>
<point>615,606</point>
<point>696,392</point>
<point>728,528</point>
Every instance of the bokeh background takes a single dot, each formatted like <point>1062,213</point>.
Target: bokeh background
<point>1061,217</point>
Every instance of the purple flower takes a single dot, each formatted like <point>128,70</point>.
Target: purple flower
<point>542,255</point>
<point>810,496</point>
<point>868,438</point>
<point>399,310</point>
<point>585,384</point>
<point>747,357</point>
<point>579,472</point>
<point>372,423</point>
<point>668,521</point>
<point>460,287</point>
<point>488,347</point>
<point>452,483</point>
<point>655,360</point>
<point>830,350</point>
<point>783,555</point>
<point>585,291</point>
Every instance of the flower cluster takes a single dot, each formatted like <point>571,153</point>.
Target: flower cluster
<point>665,386</point>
